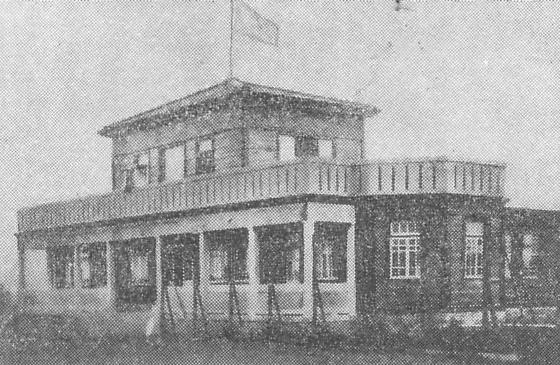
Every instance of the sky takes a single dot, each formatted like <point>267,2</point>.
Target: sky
<point>474,79</point>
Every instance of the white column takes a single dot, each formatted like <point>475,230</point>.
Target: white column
<point>111,292</point>
<point>308,231</point>
<point>203,266</point>
<point>351,270</point>
<point>77,267</point>
<point>159,277</point>
<point>253,270</point>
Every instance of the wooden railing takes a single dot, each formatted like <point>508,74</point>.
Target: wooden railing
<point>202,191</point>
<point>314,177</point>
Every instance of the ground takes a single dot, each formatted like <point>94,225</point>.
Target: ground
<point>222,351</point>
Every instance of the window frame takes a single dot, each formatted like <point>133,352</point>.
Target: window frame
<point>205,164</point>
<point>405,241</point>
<point>95,255</point>
<point>230,248</point>
<point>474,245</point>
<point>280,247</point>
<point>292,156</point>
<point>336,247</point>
<point>61,258</point>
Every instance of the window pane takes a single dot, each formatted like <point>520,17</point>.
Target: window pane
<point>325,148</point>
<point>174,163</point>
<point>205,145</point>
<point>287,146</point>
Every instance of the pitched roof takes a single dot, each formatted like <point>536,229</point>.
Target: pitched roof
<point>226,88</point>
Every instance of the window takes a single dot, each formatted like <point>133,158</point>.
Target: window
<point>326,149</point>
<point>205,157</point>
<point>286,148</point>
<point>530,256</point>
<point>135,271</point>
<point>227,251</point>
<point>280,253</point>
<point>330,254</point>
<point>174,163</point>
<point>61,267</point>
<point>93,267</point>
<point>141,169</point>
<point>307,147</point>
<point>179,255</point>
<point>474,247</point>
<point>404,247</point>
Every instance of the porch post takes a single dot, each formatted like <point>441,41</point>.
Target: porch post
<point>111,292</point>
<point>351,270</point>
<point>159,277</point>
<point>308,232</point>
<point>253,270</point>
<point>202,266</point>
<point>77,267</point>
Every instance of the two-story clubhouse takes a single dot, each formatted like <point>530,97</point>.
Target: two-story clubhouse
<point>241,197</point>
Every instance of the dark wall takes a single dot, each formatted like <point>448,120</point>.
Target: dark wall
<point>441,259</point>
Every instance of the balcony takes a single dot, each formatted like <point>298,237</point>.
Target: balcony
<point>311,177</point>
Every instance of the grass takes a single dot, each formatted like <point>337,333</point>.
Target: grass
<point>130,350</point>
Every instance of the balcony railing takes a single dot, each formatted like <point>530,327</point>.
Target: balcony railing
<point>201,191</point>
<point>313,177</point>
<point>431,176</point>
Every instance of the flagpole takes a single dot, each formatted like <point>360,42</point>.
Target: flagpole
<point>231,38</point>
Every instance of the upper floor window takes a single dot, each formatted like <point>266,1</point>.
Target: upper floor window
<point>474,248</point>
<point>61,266</point>
<point>205,157</point>
<point>93,267</point>
<point>404,248</point>
<point>174,163</point>
<point>286,148</point>
<point>326,149</point>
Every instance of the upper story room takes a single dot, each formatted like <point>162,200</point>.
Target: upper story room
<point>230,125</point>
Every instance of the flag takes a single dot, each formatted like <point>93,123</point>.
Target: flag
<point>248,22</point>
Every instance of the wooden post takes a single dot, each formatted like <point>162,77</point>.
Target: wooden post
<point>253,270</point>
<point>77,268</point>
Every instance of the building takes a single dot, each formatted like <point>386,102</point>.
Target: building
<point>242,199</point>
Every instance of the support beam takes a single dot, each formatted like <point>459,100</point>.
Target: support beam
<point>308,264</point>
<point>253,270</point>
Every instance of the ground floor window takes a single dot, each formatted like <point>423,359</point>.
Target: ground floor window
<point>404,247</point>
<point>330,251</point>
<point>179,258</point>
<point>280,253</point>
<point>93,265</point>
<point>227,251</point>
<point>60,261</point>
<point>135,270</point>
<point>474,248</point>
